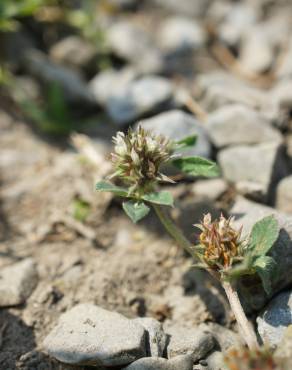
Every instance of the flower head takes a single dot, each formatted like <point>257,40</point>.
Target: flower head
<point>245,359</point>
<point>138,156</point>
<point>220,243</point>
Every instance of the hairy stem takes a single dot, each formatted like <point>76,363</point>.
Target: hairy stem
<point>172,229</point>
<point>245,328</point>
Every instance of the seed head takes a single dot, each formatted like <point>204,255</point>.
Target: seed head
<point>245,359</point>
<point>138,156</point>
<point>220,243</point>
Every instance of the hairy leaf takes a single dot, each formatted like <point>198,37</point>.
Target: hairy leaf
<point>135,210</point>
<point>107,186</point>
<point>186,142</point>
<point>162,197</point>
<point>197,166</point>
<point>266,267</point>
<point>263,235</point>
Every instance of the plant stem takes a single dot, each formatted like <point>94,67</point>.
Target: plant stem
<point>245,328</point>
<point>172,229</point>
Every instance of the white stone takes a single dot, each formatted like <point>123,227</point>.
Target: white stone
<point>90,335</point>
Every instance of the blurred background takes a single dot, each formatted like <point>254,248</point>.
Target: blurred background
<point>72,74</point>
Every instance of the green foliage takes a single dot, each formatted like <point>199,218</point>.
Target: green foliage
<point>197,166</point>
<point>186,142</point>
<point>262,237</point>
<point>10,10</point>
<point>81,209</point>
<point>52,117</point>
<point>162,197</point>
<point>266,267</point>
<point>108,187</point>
<point>136,210</point>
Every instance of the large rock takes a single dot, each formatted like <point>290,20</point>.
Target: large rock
<point>109,82</point>
<point>275,319</point>
<point>156,338</point>
<point>216,361</point>
<point>284,349</point>
<point>90,335</point>
<point>259,166</point>
<point>239,124</point>
<point>196,342</point>
<point>138,98</point>
<point>17,282</point>
<point>257,52</point>
<point>73,51</point>
<point>284,195</point>
<point>238,20</point>
<point>247,213</point>
<point>176,125</point>
<point>226,338</point>
<point>44,69</point>
<point>156,363</point>
<point>179,35</point>
<point>220,88</point>
<point>133,44</point>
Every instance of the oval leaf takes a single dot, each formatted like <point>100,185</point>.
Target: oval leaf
<point>107,186</point>
<point>266,267</point>
<point>197,166</point>
<point>162,197</point>
<point>136,211</point>
<point>186,142</point>
<point>263,235</point>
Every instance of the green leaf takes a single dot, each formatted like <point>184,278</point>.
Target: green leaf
<point>135,210</point>
<point>263,235</point>
<point>197,166</point>
<point>107,186</point>
<point>186,142</point>
<point>162,197</point>
<point>266,267</point>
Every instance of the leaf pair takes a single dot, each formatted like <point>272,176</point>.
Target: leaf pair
<point>136,208</point>
<point>262,237</point>
<point>194,166</point>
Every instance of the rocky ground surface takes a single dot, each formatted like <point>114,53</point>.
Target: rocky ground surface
<point>80,285</point>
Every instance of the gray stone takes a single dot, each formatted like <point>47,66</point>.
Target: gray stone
<point>109,82</point>
<point>262,164</point>
<point>90,335</point>
<point>225,338</point>
<point>281,94</point>
<point>156,338</point>
<point>284,349</point>
<point>156,363</point>
<point>196,342</point>
<point>239,124</point>
<point>137,98</point>
<point>17,282</point>
<point>73,51</point>
<point>176,125</point>
<point>275,318</point>
<point>210,189</point>
<point>284,195</point>
<point>247,213</point>
<point>185,7</point>
<point>239,19</point>
<point>216,361</point>
<point>219,89</point>
<point>133,44</point>
<point>44,69</point>
<point>257,52</point>
<point>178,35</point>
<point>285,68</point>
